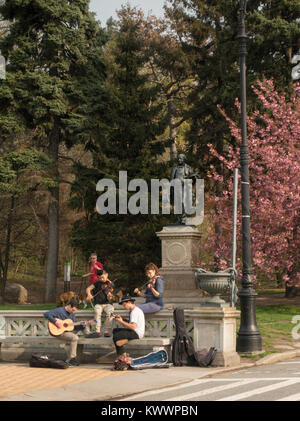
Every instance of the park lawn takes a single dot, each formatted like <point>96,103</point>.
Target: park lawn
<point>275,326</point>
<point>27,306</point>
<point>267,291</point>
<point>37,306</point>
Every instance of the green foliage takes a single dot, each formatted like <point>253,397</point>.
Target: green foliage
<point>55,69</point>
<point>14,166</point>
<point>207,31</point>
<point>70,81</point>
<point>127,142</point>
<point>54,87</point>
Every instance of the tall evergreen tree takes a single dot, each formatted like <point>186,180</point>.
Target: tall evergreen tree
<point>54,85</point>
<point>208,32</point>
<point>127,143</point>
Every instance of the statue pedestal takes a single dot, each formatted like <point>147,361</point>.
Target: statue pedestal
<point>217,327</point>
<point>180,245</point>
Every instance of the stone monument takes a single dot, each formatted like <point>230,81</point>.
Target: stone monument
<point>180,247</point>
<point>180,252</point>
<point>214,319</point>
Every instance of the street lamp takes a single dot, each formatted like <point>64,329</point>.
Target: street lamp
<point>249,338</point>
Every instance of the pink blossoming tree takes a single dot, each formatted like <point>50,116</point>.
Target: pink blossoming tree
<point>274,168</point>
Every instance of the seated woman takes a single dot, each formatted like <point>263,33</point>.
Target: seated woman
<point>154,290</point>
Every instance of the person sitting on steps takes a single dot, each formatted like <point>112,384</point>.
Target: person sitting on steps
<point>154,290</point>
<point>56,316</point>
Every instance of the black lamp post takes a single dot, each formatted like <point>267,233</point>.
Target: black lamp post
<point>249,338</point>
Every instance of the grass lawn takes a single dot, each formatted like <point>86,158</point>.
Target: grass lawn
<point>275,326</point>
<point>27,307</point>
<point>37,307</point>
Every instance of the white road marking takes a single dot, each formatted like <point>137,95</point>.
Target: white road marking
<point>211,390</point>
<point>167,389</point>
<point>260,390</point>
<point>196,382</point>
<point>295,397</point>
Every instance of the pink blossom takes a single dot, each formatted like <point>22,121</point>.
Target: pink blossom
<point>274,168</point>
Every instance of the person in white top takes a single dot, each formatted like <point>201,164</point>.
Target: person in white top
<point>134,329</point>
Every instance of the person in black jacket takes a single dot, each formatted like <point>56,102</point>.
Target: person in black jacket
<point>100,295</point>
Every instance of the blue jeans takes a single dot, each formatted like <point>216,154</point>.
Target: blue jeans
<point>150,307</point>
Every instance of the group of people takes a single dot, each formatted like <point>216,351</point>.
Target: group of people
<point>100,294</point>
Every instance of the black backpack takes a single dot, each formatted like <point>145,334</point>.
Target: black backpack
<point>183,351</point>
<point>205,356</point>
<point>44,361</point>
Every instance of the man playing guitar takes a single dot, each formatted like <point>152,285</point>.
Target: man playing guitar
<point>57,316</point>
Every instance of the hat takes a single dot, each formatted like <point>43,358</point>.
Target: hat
<point>126,298</point>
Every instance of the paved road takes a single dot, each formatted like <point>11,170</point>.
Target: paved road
<point>277,382</point>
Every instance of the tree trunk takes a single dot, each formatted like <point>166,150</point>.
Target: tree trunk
<point>172,130</point>
<point>53,221</point>
<point>2,286</point>
<point>292,287</point>
<point>7,249</point>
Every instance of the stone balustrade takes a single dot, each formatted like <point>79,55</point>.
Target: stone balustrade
<point>207,326</point>
<point>33,323</point>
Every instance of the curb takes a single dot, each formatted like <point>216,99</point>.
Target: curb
<point>270,359</point>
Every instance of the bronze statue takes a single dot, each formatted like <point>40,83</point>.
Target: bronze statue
<point>182,171</point>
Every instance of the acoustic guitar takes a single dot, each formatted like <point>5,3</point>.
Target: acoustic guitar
<point>67,326</point>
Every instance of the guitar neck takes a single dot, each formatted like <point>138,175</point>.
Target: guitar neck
<point>82,321</point>
<point>67,325</point>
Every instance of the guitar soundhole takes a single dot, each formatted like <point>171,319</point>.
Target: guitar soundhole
<point>65,324</point>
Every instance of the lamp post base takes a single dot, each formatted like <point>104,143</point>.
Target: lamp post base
<point>248,338</point>
<point>249,344</point>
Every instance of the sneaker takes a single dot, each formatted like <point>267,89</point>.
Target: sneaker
<point>73,362</point>
<point>107,334</point>
<point>93,335</point>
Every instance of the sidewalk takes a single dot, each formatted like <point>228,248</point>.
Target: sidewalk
<point>97,382</point>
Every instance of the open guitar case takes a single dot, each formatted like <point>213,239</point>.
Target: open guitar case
<point>45,361</point>
<point>155,359</point>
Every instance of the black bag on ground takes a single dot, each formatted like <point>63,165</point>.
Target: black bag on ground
<point>43,361</point>
<point>182,348</point>
<point>205,356</point>
<point>183,351</point>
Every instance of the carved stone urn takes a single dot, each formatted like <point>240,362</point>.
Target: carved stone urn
<point>215,283</point>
